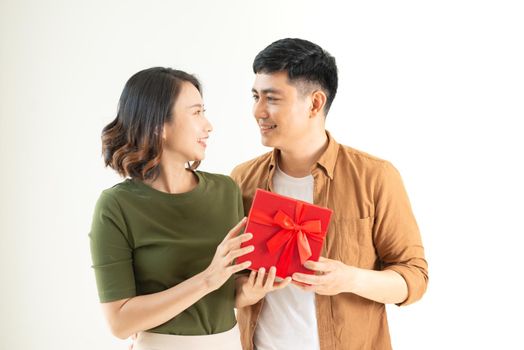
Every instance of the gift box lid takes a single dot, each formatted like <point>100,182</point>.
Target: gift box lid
<point>286,232</point>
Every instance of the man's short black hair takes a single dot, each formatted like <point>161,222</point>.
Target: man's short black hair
<point>303,61</point>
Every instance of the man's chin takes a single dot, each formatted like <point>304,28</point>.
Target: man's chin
<point>267,142</point>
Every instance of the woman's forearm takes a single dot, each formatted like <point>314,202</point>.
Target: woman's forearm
<point>143,312</point>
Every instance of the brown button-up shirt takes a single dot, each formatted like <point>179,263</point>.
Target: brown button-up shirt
<point>372,227</point>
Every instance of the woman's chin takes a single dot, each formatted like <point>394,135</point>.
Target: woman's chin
<point>199,158</point>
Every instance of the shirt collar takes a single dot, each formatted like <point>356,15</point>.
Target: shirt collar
<point>326,161</point>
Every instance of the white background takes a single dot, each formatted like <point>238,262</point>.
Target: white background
<point>434,87</point>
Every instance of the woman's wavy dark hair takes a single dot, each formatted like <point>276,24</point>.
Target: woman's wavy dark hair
<point>132,143</point>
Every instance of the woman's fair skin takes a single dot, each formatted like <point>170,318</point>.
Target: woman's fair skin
<point>184,139</point>
<point>252,288</point>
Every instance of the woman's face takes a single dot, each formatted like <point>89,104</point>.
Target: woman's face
<point>186,135</point>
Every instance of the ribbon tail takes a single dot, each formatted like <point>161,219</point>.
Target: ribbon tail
<point>285,258</point>
<point>304,250</point>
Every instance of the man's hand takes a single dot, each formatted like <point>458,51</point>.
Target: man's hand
<point>253,288</point>
<point>334,277</point>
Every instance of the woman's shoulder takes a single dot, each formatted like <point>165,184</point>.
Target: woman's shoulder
<point>112,195</point>
<point>118,189</point>
<point>216,179</point>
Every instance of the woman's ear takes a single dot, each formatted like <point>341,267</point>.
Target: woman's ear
<point>164,134</point>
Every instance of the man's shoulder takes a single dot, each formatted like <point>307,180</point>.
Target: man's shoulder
<point>361,158</point>
<point>251,167</point>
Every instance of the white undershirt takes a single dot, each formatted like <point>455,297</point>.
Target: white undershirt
<point>288,318</point>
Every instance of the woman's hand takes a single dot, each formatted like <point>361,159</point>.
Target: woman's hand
<point>253,288</point>
<point>222,266</point>
<point>131,315</point>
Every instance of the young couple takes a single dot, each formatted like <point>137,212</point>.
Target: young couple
<point>164,241</point>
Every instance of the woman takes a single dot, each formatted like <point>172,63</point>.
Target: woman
<point>155,235</point>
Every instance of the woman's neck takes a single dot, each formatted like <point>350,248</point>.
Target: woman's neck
<point>175,178</point>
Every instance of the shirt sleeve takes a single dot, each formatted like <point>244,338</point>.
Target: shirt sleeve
<point>111,252</point>
<point>396,234</point>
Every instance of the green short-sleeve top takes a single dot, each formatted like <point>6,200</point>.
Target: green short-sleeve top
<point>144,241</point>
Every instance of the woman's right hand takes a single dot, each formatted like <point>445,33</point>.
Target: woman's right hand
<point>253,288</point>
<point>222,267</point>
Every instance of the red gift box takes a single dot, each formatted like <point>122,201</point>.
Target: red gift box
<point>286,233</point>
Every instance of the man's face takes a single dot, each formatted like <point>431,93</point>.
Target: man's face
<point>281,111</point>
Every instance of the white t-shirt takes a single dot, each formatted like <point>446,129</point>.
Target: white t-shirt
<point>288,318</point>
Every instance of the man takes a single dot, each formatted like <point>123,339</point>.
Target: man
<point>372,255</point>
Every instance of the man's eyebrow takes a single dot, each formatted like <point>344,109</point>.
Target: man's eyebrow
<point>266,91</point>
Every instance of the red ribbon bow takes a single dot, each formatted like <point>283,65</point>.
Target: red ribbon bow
<point>291,234</point>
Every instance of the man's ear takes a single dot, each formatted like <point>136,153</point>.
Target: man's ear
<point>318,101</point>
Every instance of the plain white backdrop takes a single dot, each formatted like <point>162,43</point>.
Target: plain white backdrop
<point>437,88</point>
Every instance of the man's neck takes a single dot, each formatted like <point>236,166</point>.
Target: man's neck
<point>300,162</point>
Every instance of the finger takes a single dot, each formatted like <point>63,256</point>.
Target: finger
<point>238,267</point>
<point>251,279</point>
<point>234,243</point>
<point>270,277</point>
<point>305,278</point>
<point>283,284</point>
<point>318,266</point>
<point>299,285</point>
<point>232,255</point>
<point>309,288</point>
<point>235,230</point>
<point>260,277</point>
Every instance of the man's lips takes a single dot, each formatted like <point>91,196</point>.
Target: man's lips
<point>267,127</point>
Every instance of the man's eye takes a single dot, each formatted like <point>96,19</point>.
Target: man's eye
<point>255,97</point>
<point>272,99</point>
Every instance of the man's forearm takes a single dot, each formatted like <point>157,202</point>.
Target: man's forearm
<point>386,286</point>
